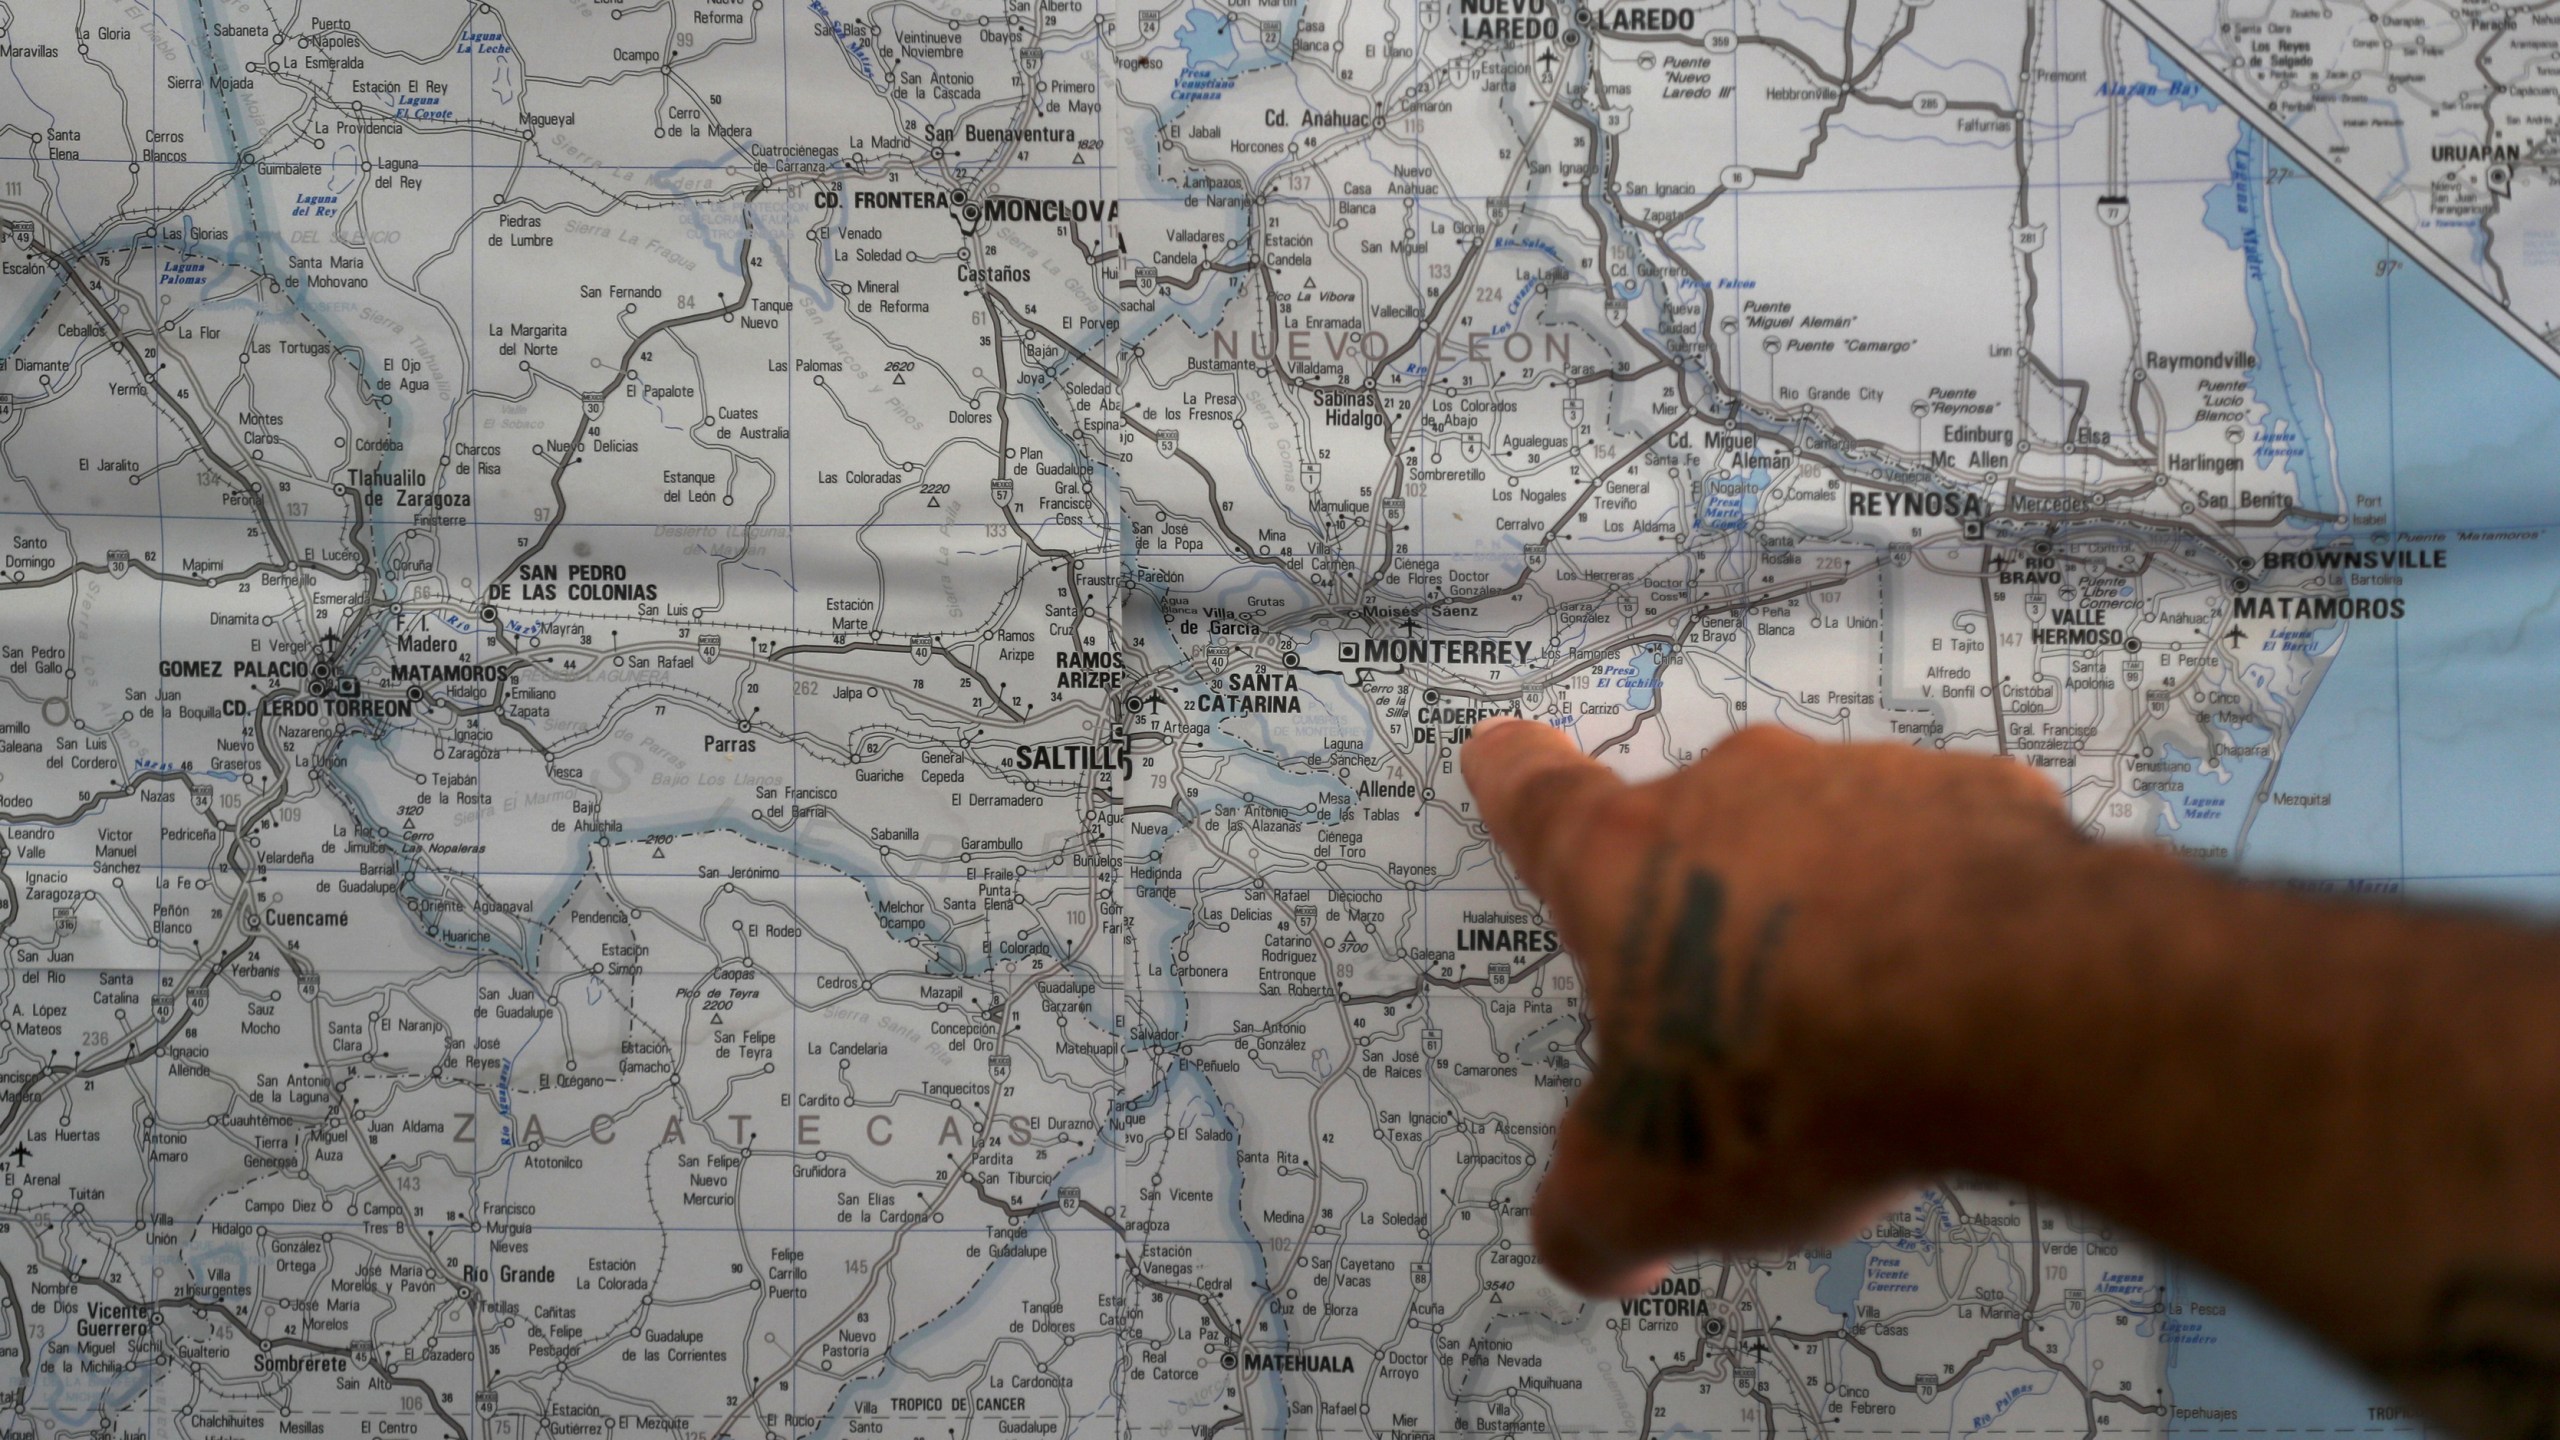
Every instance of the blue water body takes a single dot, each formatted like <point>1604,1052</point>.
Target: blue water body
<point>2427,750</point>
<point>2434,410</point>
<point>1637,678</point>
<point>1208,45</point>
<point>2175,86</point>
<point>2226,1352</point>
<point>1843,1278</point>
<point>2345,756</point>
<point>2423,757</point>
<point>2211,813</point>
<point>2283,379</point>
<point>2426,747</point>
<point>2478,671</point>
<point>1737,509</point>
<point>1207,41</point>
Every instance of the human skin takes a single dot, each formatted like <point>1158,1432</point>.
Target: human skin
<point>1792,949</point>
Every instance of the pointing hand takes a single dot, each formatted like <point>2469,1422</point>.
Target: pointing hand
<point>1762,937</point>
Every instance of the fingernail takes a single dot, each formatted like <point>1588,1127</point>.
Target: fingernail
<point>1492,722</point>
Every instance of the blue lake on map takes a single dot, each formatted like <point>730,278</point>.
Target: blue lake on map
<point>2421,760</point>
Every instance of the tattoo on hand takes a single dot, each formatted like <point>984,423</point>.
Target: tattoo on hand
<point>1675,970</point>
<point>1649,1108</point>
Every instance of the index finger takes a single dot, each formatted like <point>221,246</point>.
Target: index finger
<point>1534,787</point>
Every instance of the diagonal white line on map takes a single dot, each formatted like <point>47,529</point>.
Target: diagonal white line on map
<point>2320,168</point>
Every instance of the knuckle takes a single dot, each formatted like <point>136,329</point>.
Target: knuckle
<point>2005,777</point>
<point>1622,814</point>
<point>1755,748</point>
<point>1764,742</point>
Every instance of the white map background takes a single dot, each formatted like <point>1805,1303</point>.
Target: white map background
<point>736,718</point>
